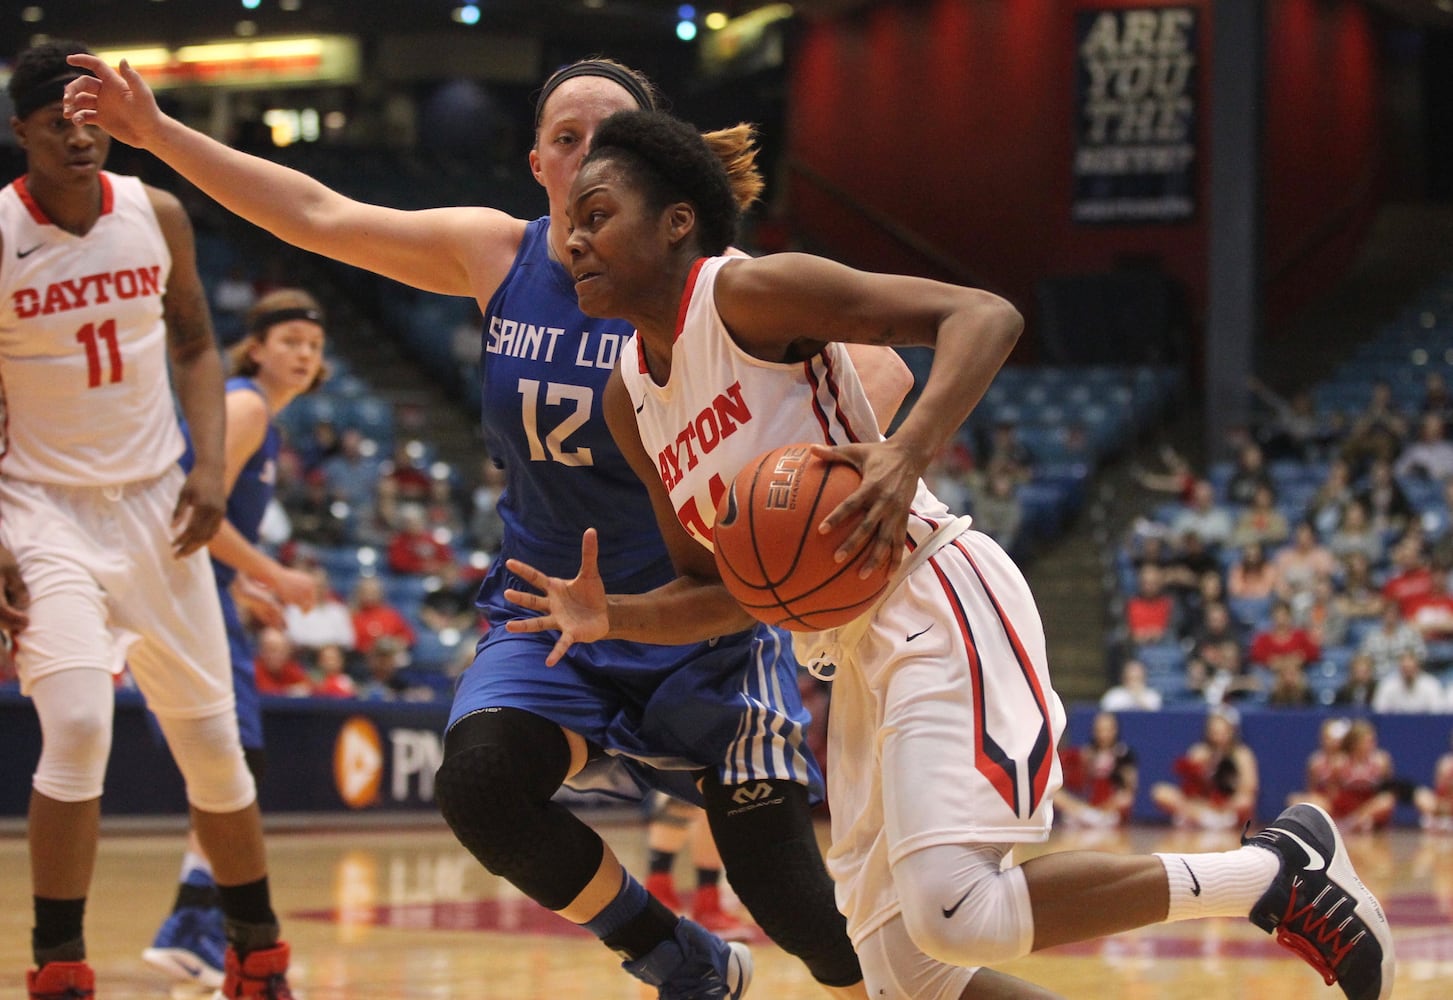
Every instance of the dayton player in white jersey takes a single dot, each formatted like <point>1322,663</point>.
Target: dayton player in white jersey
<point>943,721</point>
<point>101,533</point>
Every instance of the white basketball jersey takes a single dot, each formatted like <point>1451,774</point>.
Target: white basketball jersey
<point>83,350</point>
<point>721,408</point>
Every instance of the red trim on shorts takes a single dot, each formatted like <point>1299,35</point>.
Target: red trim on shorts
<point>989,758</point>
<point>1041,758</point>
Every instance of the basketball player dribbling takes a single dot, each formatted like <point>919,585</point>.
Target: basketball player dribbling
<point>943,723</point>
<point>705,718</point>
<point>101,533</point>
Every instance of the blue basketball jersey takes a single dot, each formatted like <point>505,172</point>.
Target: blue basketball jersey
<point>544,369</point>
<point>255,484</point>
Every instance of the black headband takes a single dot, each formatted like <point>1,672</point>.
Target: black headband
<point>45,92</point>
<point>600,68</point>
<point>268,320</point>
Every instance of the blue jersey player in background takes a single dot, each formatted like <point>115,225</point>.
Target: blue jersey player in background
<point>279,359</point>
<point>719,721</point>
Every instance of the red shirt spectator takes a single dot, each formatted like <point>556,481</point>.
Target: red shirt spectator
<point>1412,580</point>
<point>1432,613</point>
<point>1150,614</point>
<point>335,682</point>
<point>373,618</point>
<point>1283,643</point>
<point>275,669</point>
<point>414,549</point>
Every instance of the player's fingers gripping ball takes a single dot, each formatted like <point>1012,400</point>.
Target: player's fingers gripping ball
<point>770,554</point>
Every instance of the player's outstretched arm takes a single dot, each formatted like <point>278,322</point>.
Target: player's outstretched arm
<point>433,249</point>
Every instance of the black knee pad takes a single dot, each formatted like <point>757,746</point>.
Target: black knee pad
<point>769,850</point>
<point>501,766</point>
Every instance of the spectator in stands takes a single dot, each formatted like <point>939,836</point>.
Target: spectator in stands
<point>1204,516</point>
<point>1100,778</point>
<point>1412,577</point>
<point>1217,669</point>
<point>1432,613</point>
<point>374,618</point>
<point>1252,576</point>
<point>1151,614</point>
<point>1378,432</point>
<point>1132,694</point>
<point>1297,430</point>
<point>1431,455</point>
<point>1319,612</point>
<point>1289,688</point>
<point>1217,777</point>
<point>319,518</point>
<point>948,476</point>
<point>234,294</point>
<point>1409,689</point>
<point>1300,564</point>
<point>383,661</point>
<point>1435,802</point>
<point>1392,637</point>
<point>278,673</point>
<point>406,472</point>
<point>1262,522</point>
<point>1439,523</point>
<point>1436,397</point>
<point>441,512</point>
<point>321,443</point>
<point>328,623</point>
<point>1388,509</point>
<point>1004,452</point>
<point>1178,478</point>
<point>352,474</point>
<point>449,601</point>
<point>414,550</point>
<point>1187,566</point>
<point>1282,647</point>
<point>486,529</point>
<point>997,510</point>
<point>1330,499</point>
<point>1359,598</point>
<point>1361,683</point>
<point>333,680</point>
<point>1210,589</point>
<point>1248,476</point>
<point>1356,534</point>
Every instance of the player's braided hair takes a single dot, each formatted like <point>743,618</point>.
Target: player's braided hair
<point>717,173</point>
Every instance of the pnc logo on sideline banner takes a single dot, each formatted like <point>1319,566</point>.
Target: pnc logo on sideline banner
<point>358,763</point>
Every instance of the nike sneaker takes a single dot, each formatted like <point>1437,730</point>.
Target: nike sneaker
<point>695,965</point>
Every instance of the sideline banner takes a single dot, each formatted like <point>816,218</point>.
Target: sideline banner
<point>1137,80</point>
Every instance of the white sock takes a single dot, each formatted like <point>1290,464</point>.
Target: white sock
<point>1224,884</point>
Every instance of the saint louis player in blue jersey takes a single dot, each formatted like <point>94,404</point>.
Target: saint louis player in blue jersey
<point>280,358</point>
<point>719,720</point>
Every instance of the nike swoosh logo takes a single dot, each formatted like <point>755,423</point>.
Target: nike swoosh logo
<point>1315,861</point>
<point>641,407</point>
<point>1195,882</point>
<point>915,635</point>
<point>22,254</point>
<point>951,910</point>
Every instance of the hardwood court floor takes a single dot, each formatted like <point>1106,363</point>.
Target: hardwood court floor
<point>406,914</point>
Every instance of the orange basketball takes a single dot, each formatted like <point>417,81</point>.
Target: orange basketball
<point>768,549</point>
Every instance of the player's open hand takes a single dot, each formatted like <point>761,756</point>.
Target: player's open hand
<point>14,596</point>
<point>883,500</point>
<point>576,608</point>
<point>201,506</point>
<point>118,100</point>
<point>258,601</point>
<point>294,587</point>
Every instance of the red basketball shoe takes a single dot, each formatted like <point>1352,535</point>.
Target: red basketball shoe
<point>61,981</point>
<point>706,910</point>
<point>262,975</point>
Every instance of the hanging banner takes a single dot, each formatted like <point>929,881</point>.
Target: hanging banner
<point>1136,85</point>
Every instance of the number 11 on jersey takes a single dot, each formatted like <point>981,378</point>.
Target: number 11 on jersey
<point>90,337</point>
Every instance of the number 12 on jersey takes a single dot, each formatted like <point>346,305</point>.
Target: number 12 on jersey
<point>90,336</point>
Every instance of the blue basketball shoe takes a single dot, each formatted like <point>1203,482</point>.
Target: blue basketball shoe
<point>1319,908</point>
<point>695,965</point>
<point>191,946</point>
